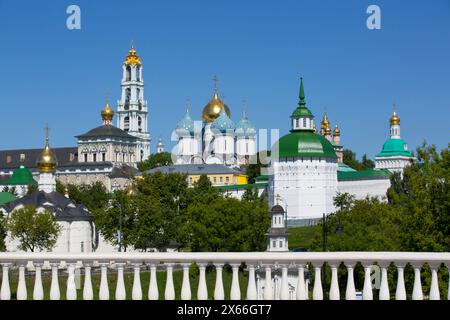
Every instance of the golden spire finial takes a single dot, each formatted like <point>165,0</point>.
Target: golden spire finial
<point>132,58</point>
<point>132,44</point>
<point>46,129</point>
<point>336,131</point>
<point>47,161</point>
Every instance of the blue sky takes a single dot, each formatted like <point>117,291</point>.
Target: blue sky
<point>258,49</point>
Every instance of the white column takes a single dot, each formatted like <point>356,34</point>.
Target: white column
<point>186,286</point>
<point>54,287</point>
<point>153,293</point>
<point>136,293</point>
<point>218,290</point>
<point>5,291</point>
<point>367,290</point>
<point>268,295</point>
<point>88,293</point>
<point>21,286</point>
<point>104,289</point>
<point>417,293</point>
<point>284,294</point>
<point>38,291</point>
<point>400,292</point>
<point>121,294</point>
<point>251,287</point>
<point>301,291</point>
<point>334,288</point>
<point>71,290</point>
<point>235,293</point>
<point>434,289</point>
<point>350,293</point>
<point>202,292</point>
<point>169,293</point>
<point>384,288</point>
<point>317,290</point>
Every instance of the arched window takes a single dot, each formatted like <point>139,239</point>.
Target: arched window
<point>138,76</point>
<point>126,123</point>
<point>139,124</point>
<point>304,122</point>
<point>128,73</point>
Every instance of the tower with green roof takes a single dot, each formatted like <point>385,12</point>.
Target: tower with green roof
<point>304,168</point>
<point>394,155</point>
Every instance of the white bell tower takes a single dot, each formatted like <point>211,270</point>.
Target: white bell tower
<point>132,110</point>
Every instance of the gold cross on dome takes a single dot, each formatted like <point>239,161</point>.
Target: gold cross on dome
<point>215,83</point>
<point>46,129</point>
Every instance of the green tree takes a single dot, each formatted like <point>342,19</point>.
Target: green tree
<point>32,188</point>
<point>94,196</point>
<point>349,158</point>
<point>258,161</point>
<point>344,201</point>
<point>155,160</point>
<point>2,233</point>
<point>35,230</point>
<point>118,222</point>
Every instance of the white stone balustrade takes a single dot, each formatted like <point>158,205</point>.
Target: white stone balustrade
<point>260,265</point>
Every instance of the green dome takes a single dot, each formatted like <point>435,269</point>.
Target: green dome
<point>21,176</point>
<point>304,144</point>
<point>6,197</point>
<point>394,147</point>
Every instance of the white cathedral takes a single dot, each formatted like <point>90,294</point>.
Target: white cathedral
<point>217,139</point>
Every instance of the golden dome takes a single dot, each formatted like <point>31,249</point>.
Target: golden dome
<point>212,110</point>
<point>47,161</point>
<point>325,122</point>
<point>395,120</point>
<point>327,131</point>
<point>336,131</point>
<point>132,58</point>
<point>107,113</point>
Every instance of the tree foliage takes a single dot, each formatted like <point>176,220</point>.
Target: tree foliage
<point>35,230</point>
<point>2,233</point>
<point>155,160</point>
<point>257,162</point>
<point>351,161</point>
<point>94,196</point>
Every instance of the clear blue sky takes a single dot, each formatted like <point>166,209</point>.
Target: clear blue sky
<point>258,49</point>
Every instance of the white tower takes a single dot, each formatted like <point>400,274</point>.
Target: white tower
<point>46,164</point>
<point>132,110</point>
<point>160,146</point>
<point>277,235</point>
<point>223,143</point>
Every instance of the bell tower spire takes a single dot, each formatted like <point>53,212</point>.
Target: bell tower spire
<point>132,109</point>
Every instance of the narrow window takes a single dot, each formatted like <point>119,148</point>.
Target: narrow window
<point>274,244</point>
<point>103,156</point>
<point>95,157</point>
<point>22,157</point>
<point>85,157</point>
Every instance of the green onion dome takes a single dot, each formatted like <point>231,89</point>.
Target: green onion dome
<point>186,126</point>
<point>244,128</point>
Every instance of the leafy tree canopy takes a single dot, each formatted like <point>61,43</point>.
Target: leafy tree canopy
<point>155,160</point>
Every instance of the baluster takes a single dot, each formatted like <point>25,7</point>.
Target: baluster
<point>384,288</point>
<point>55,293</point>
<point>301,291</point>
<point>186,287</point>
<point>235,293</point>
<point>307,289</point>
<point>121,294</point>
<point>417,293</point>
<point>434,289</point>
<point>350,293</point>
<point>251,288</point>
<point>88,293</point>
<point>38,291</point>
<point>268,295</point>
<point>284,294</point>
<point>169,293</point>
<point>367,290</point>
<point>136,293</point>
<point>5,291</point>
<point>317,290</point>
<point>218,290</point>
<point>21,286</point>
<point>104,289</point>
<point>334,288</point>
<point>400,292</point>
<point>153,293</point>
<point>202,292</point>
<point>71,290</point>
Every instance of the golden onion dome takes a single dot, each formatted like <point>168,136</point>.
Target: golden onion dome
<point>47,161</point>
<point>325,122</point>
<point>132,58</point>
<point>327,131</point>
<point>336,131</point>
<point>107,113</point>
<point>212,110</point>
<point>395,120</point>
